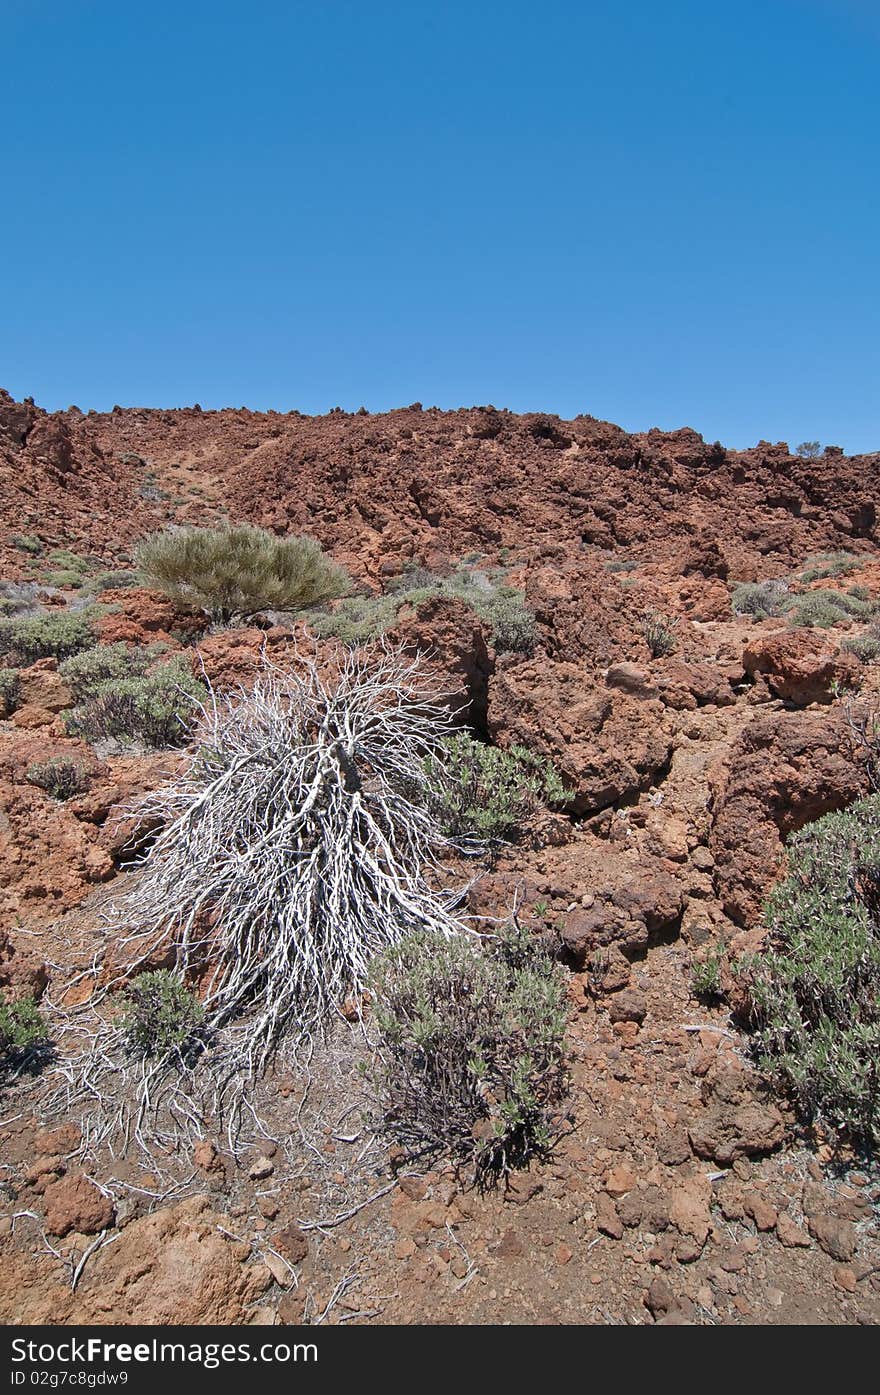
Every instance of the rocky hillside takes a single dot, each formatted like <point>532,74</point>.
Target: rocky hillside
<point>688,1192</point>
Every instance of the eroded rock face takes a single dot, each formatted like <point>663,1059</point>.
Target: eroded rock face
<point>454,643</point>
<point>786,770</point>
<point>606,744</point>
<point>801,666</point>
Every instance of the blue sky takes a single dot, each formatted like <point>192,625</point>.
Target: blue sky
<point>660,213</point>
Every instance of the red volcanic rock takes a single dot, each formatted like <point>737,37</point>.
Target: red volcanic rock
<point>785,770</point>
<point>607,745</point>
<point>739,1119</point>
<point>801,666</point>
<point>75,1203</point>
<point>454,642</point>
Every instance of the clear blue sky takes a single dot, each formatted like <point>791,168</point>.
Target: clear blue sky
<point>662,212</point>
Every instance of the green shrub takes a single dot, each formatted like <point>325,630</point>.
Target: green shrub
<point>24,639</point>
<point>865,647</point>
<point>621,564</point>
<point>762,599</point>
<point>659,632</point>
<point>162,1017</point>
<point>115,581</point>
<point>823,608</point>
<point>156,709</point>
<point>815,989</point>
<point>22,1028</point>
<point>60,777</point>
<point>10,691</point>
<point>483,792</point>
<point>84,672</point>
<point>470,1063</point>
<point>236,571</point>
<point>829,564</point>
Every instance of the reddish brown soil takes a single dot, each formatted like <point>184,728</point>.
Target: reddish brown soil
<point>685,1194</point>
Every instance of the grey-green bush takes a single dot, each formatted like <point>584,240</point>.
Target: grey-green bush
<point>822,608</point>
<point>485,793</point>
<point>470,1064</point>
<point>236,571</point>
<point>84,672</point>
<point>762,599</point>
<point>24,639</point>
<point>815,989</point>
<point>155,709</point>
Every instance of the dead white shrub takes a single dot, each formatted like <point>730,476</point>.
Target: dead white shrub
<point>297,843</point>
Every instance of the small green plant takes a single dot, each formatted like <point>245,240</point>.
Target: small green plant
<point>233,572</point>
<point>706,973</point>
<point>24,639</point>
<point>485,793</point>
<point>84,672</point>
<point>22,1029</point>
<point>162,1017</point>
<point>154,709</point>
<point>822,608</point>
<point>761,599</point>
<point>10,691</point>
<point>60,777</point>
<point>541,908</point>
<point>470,1063</point>
<point>815,989</point>
<point>660,633</point>
<point>829,564</point>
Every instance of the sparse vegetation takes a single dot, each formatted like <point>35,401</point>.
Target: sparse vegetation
<point>22,1029</point>
<point>60,777</point>
<point>162,1017</point>
<point>809,450</point>
<point>822,608</point>
<point>359,619</point>
<point>829,564</point>
<point>24,639</point>
<point>10,691</point>
<point>154,709</point>
<point>236,571</point>
<point>660,633</point>
<point>761,599</point>
<point>115,581</point>
<point>470,1063</point>
<point>816,987</point>
<point>485,793</point>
